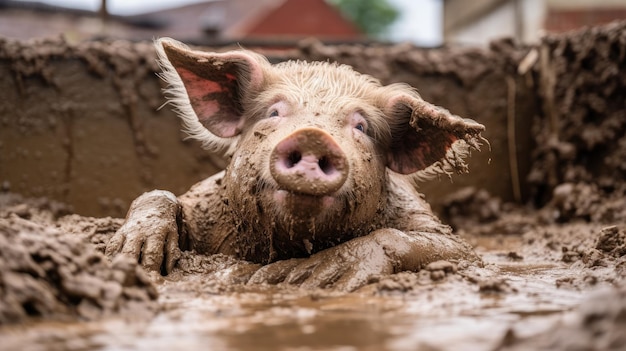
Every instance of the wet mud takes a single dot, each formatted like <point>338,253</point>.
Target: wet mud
<point>541,285</point>
<point>49,273</point>
<point>553,268</point>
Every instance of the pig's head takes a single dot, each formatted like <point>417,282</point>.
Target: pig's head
<point>310,143</point>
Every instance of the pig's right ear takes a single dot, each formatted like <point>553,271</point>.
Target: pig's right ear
<point>426,137</point>
<point>207,89</point>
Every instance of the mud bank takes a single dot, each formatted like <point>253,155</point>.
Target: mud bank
<point>81,124</point>
<point>53,270</point>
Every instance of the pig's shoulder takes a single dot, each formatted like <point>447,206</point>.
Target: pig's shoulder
<point>407,210</point>
<point>206,193</point>
<point>204,190</point>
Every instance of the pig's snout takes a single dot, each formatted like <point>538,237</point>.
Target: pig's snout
<point>310,162</point>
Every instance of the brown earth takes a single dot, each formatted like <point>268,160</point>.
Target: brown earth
<point>49,273</point>
<point>554,266</point>
<point>542,285</point>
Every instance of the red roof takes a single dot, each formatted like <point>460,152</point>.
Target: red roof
<point>225,20</point>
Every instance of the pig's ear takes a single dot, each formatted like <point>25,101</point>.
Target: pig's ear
<point>423,134</point>
<point>207,88</point>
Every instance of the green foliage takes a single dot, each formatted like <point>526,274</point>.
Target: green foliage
<point>371,16</point>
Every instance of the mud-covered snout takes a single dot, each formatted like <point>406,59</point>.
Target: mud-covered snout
<point>310,162</point>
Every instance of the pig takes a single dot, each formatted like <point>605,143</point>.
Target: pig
<point>320,187</point>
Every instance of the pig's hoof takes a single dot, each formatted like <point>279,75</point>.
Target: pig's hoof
<point>154,245</point>
<point>345,267</point>
<point>150,232</point>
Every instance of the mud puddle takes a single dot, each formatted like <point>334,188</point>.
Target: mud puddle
<point>475,308</point>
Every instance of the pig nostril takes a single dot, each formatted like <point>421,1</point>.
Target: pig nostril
<point>325,165</point>
<point>293,158</point>
<point>310,162</point>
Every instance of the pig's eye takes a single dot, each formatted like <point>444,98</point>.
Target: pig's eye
<point>358,122</point>
<point>274,113</point>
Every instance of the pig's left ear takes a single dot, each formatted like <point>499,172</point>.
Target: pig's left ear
<point>423,134</point>
<point>207,89</point>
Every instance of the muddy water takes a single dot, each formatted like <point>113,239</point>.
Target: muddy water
<point>449,314</point>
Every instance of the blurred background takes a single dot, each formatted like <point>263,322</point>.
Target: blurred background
<point>427,23</point>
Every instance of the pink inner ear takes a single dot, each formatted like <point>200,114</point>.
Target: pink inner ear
<point>206,97</point>
<point>416,151</point>
<point>204,109</point>
<point>197,86</point>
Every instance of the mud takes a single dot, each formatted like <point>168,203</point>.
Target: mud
<point>77,118</point>
<point>553,267</point>
<point>50,273</point>
<point>542,285</point>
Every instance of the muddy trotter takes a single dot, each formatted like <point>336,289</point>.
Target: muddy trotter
<point>320,186</point>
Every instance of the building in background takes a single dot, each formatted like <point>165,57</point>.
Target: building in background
<point>232,20</point>
<point>480,21</point>
<point>208,22</point>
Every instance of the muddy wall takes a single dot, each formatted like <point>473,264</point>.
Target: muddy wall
<point>580,128</point>
<point>81,124</point>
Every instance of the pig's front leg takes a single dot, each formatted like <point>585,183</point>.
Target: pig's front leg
<point>150,232</point>
<point>358,262</point>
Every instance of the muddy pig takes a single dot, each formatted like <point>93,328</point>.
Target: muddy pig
<point>319,188</point>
